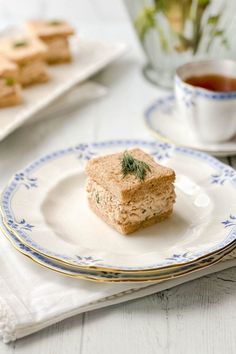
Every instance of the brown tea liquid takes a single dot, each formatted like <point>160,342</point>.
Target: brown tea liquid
<point>213,82</point>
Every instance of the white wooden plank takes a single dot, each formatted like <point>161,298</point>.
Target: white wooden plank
<point>53,340</point>
<point>126,328</point>
<point>6,349</point>
<point>197,317</point>
<point>201,317</point>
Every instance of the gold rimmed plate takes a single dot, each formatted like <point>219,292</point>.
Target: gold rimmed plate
<point>103,276</point>
<point>45,207</point>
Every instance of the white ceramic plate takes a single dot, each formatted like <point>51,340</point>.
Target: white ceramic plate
<point>45,206</point>
<point>106,276</point>
<point>163,120</point>
<point>89,57</point>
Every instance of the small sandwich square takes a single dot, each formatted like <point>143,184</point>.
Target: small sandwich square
<point>29,54</point>
<point>55,35</point>
<point>10,90</point>
<point>130,190</point>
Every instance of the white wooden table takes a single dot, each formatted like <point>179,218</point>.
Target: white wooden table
<point>197,317</point>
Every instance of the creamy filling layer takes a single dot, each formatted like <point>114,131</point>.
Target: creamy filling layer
<point>153,204</point>
<point>58,48</point>
<point>31,71</point>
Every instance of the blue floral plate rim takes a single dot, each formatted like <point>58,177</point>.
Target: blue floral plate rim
<point>22,229</point>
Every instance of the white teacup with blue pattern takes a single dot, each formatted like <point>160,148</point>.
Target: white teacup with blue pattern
<point>211,114</point>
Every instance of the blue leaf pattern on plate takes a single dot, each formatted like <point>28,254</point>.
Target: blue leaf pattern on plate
<point>87,260</point>
<point>28,182</point>
<point>162,152</point>
<point>229,222</point>
<point>84,152</point>
<point>221,178</point>
<point>22,225</point>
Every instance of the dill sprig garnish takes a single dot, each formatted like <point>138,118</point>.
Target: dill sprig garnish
<point>54,23</point>
<point>130,165</point>
<point>19,44</point>
<point>10,81</point>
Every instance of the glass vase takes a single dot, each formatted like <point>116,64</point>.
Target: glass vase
<point>173,32</point>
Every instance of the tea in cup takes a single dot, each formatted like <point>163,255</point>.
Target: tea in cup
<point>206,98</point>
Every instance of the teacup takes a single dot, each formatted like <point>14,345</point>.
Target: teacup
<point>210,114</point>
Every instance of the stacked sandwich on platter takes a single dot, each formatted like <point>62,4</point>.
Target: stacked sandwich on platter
<point>10,91</point>
<point>55,36</point>
<point>24,58</point>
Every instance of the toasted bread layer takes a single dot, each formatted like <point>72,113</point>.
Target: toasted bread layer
<point>49,29</point>
<point>21,50</point>
<point>107,172</point>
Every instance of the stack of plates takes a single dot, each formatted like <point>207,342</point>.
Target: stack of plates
<point>46,217</point>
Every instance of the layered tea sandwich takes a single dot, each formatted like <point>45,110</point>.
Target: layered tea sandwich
<point>29,55</point>
<point>129,190</point>
<point>55,35</point>
<point>10,90</point>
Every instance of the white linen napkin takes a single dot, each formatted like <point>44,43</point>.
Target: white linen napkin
<point>33,297</point>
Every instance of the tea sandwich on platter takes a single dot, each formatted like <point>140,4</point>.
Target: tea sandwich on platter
<point>10,90</point>
<point>55,36</point>
<point>129,190</point>
<point>29,55</point>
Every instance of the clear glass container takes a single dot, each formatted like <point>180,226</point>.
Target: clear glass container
<point>173,32</point>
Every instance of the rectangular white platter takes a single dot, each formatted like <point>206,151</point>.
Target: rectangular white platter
<point>89,57</point>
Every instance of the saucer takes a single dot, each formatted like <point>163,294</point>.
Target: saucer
<point>164,122</point>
